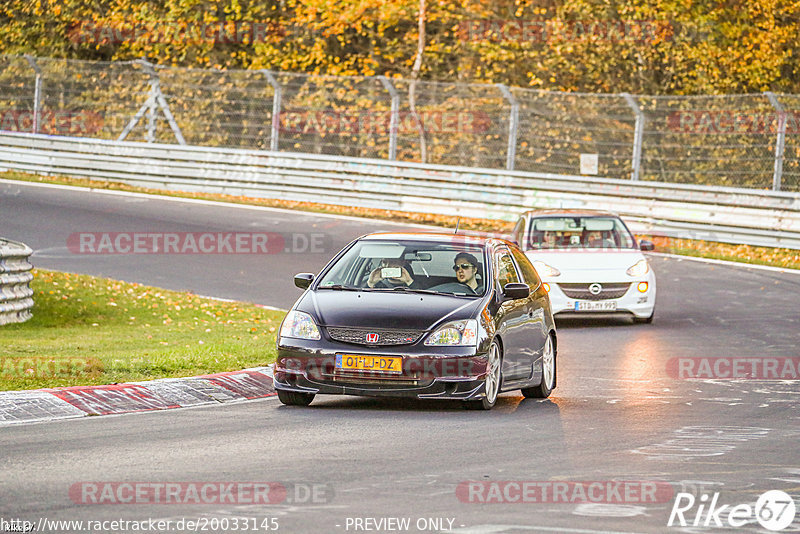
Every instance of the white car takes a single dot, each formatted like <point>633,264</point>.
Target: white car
<point>589,262</point>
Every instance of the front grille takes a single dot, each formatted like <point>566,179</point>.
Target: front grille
<point>341,377</point>
<point>358,336</point>
<point>608,291</point>
<point>373,380</point>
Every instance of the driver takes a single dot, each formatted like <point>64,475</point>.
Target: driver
<point>466,267</point>
<point>377,279</point>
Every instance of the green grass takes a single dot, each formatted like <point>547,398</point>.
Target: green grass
<point>88,330</point>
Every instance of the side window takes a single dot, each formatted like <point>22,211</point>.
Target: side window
<point>506,273</point>
<point>528,272</point>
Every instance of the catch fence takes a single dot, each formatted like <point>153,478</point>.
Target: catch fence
<point>744,141</point>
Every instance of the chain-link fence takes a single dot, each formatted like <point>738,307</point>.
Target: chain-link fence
<point>750,141</point>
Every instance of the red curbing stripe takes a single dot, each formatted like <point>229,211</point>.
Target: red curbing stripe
<point>247,384</point>
<point>111,399</point>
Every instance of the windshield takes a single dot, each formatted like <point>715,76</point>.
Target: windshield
<point>579,232</point>
<point>445,268</point>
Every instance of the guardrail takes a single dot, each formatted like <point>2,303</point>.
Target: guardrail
<point>16,297</point>
<point>730,215</point>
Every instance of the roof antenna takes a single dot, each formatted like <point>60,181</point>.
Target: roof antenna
<point>458,221</point>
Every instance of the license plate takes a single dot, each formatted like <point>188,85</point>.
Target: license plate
<point>357,362</point>
<point>595,305</point>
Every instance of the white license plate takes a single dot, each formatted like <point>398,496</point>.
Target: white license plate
<point>595,305</point>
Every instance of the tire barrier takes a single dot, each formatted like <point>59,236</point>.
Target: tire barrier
<point>16,296</point>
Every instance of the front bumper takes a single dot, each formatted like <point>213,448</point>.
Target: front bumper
<point>634,302</point>
<point>309,367</point>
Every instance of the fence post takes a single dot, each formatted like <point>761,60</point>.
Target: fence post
<point>276,109</point>
<point>513,121</point>
<point>393,118</point>
<point>37,92</point>
<point>780,140</point>
<point>638,134</point>
<point>151,111</point>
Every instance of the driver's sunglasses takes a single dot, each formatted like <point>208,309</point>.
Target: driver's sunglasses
<point>462,266</point>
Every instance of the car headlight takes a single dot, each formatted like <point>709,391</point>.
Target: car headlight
<point>545,270</point>
<point>462,333</point>
<point>299,325</point>
<point>640,268</point>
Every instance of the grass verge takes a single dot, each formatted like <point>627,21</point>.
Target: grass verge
<point>777,257</point>
<point>87,330</point>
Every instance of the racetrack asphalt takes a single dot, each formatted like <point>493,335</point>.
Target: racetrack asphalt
<point>618,413</point>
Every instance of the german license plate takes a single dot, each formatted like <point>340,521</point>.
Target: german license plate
<point>357,362</point>
<point>595,305</point>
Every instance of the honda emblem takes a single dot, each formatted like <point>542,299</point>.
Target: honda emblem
<point>372,337</point>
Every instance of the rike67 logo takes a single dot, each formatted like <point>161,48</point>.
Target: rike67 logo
<point>774,510</point>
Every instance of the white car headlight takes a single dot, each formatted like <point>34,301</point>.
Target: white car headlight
<point>545,270</point>
<point>462,333</point>
<point>640,268</point>
<point>299,325</point>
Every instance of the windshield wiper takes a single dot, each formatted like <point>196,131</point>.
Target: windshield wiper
<point>340,287</point>
<point>431,292</point>
<point>412,290</point>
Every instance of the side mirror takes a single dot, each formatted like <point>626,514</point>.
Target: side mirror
<point>303,280</point>
<point>646,245</point>
<point>515,291</point>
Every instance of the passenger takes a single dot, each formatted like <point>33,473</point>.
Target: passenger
<point>594,239</point>
<point>466,268</point>
<point>377,279</point>
<point>550,240</point>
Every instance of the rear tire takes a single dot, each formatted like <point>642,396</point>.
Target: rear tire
<point>293,398</point>
<point>494,377</point>
<point>543,390</point>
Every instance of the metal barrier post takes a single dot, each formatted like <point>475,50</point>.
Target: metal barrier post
<point>394,117</point>
<point>513,121</point>
<point>638,132</point>
<point>37,92</point>
<point>276,109</point>
<point>780,140</point>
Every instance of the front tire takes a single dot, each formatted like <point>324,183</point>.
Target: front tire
<point>293,398</point>
<point>543,390</point>
<point>647,320</point>
<point>494,377</point>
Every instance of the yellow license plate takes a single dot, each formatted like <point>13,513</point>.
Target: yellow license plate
<point>357,362</point>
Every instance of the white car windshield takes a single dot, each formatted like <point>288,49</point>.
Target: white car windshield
<point>371,265</point>
<point>578,233</point>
